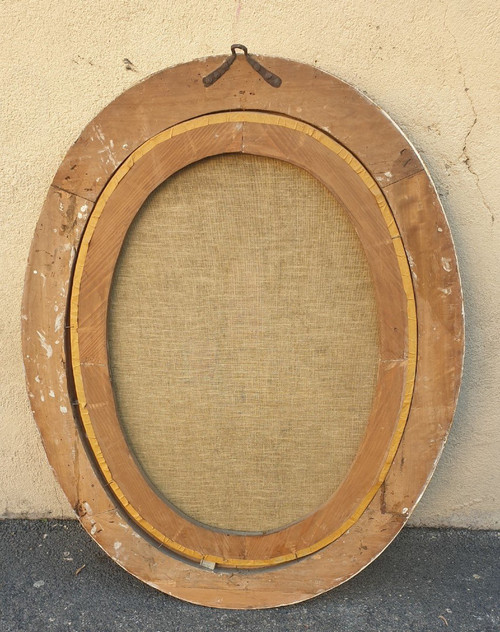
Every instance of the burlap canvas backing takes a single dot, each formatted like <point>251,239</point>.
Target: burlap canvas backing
<point>243,342</point>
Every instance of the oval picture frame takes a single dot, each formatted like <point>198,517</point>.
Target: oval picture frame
<point>324,126</point>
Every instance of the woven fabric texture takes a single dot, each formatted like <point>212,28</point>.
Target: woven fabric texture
<point>243,342</point>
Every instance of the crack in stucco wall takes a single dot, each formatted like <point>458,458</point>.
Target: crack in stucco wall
<point>465,157</point>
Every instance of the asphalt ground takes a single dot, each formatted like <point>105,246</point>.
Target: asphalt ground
<point>54,577</point>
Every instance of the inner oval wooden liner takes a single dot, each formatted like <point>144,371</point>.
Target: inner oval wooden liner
<point>164,154</point>
<point>244,374</point>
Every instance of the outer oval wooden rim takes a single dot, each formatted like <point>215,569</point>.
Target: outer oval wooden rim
<point>88,322</point>
<point>178,94</point>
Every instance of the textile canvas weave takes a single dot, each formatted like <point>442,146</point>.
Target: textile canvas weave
<point>243,342</point>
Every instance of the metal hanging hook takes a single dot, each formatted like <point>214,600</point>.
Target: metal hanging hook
<point>272,79</point>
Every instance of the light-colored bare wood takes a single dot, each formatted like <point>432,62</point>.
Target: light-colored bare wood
<point>164,100</point>
<point>307,94</point>
<point>429,245</point>
<point>47,284</point>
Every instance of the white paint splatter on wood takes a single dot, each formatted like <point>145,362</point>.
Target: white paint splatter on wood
<point>58,322</point>
<point>446,264</point>
<point>45,344</point>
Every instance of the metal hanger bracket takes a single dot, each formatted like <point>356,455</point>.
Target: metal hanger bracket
<point>272,79</point>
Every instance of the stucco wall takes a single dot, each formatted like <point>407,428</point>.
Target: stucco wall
<point>432,65</point>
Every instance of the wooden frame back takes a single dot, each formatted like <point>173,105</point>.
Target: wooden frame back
<point>344,116</point>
